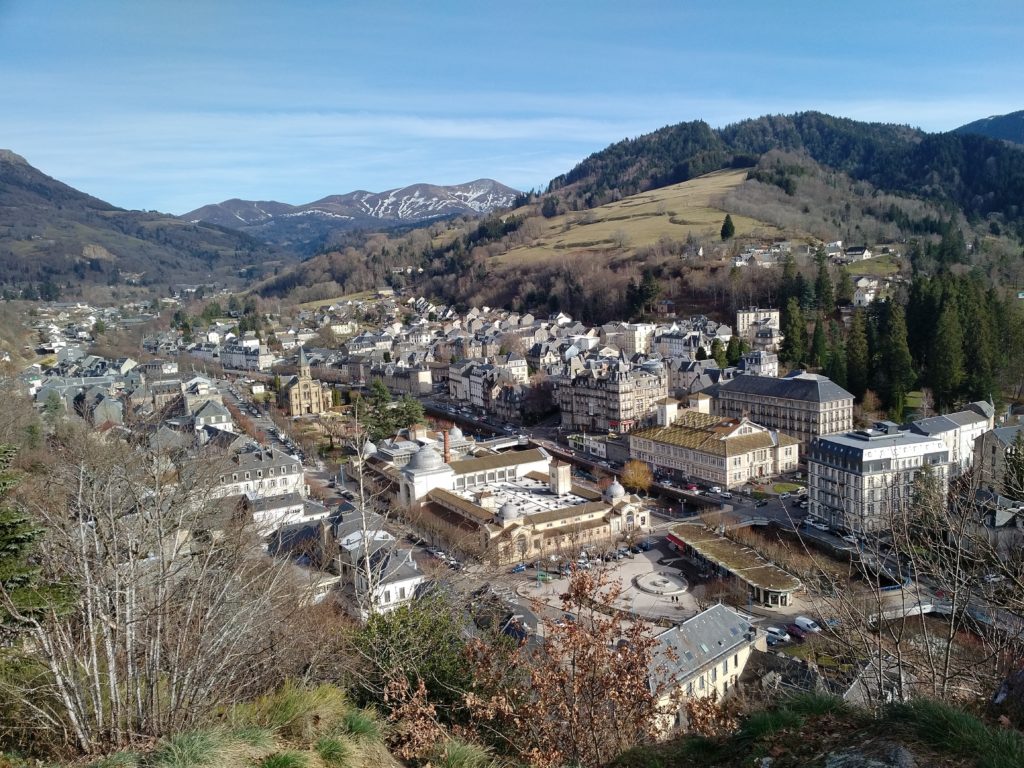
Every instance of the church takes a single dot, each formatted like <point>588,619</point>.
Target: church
<point>303,395</point>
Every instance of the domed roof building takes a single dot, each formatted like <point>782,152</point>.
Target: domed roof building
<point>614,492</point>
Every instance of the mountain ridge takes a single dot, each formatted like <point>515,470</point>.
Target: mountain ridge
<point>55,235</point>
<point>1008,127</point>
<point>312,222</point>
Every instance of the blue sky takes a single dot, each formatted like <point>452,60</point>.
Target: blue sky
<point>171,104</point>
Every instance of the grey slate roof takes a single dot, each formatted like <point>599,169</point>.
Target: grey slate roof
<point>809,387</point>
<point>684,650</point>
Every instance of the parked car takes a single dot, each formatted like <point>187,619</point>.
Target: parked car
<point>798,634</point>
<point>691,487</point>
<point>519,568</point>
<point>761,503</point>
<point>785,495</point>
<point>543,576</point>
<point>818,525</point>
<point>725,495</point>
<point>715,489</point>
<point>807,625</point>
<point>851,539</point>
<point>780,635</point>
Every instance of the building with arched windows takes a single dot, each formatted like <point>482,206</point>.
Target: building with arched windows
<point>303,395</point>
<point>514,506</point>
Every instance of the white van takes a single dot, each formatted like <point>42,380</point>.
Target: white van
<point>807,625</point>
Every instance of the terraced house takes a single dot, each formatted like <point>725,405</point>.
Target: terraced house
<point>716,450</point>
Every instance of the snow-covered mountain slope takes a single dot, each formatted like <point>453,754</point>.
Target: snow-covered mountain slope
<point>418,202</point>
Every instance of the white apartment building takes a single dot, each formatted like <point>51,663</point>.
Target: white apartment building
<point>259,473</point>
<point>752,319</point>
<point>858,479</point>
<point>958,431</point>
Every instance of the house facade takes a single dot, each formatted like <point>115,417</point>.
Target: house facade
<point>717,450</point>
<point>803,405</point>
<point>857,480</point>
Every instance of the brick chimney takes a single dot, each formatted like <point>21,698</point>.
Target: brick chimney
<point>447,448</point>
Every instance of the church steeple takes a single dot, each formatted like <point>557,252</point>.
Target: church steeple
<point>303,364</point>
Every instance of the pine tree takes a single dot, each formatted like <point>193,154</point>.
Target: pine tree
<point>857,359</point>
<point>733,350</point>
<point>947,358</point>
<point>819,343</point>
<point>836,367</point>
<point>844,288</point>
<point>899,362</point>
<point>823,289</point>
<point>25,597</point>
<point>794,345</point>
<point>728,228</point>
<point>718,353</point>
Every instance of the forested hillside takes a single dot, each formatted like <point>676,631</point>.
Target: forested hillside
<point>980,175</point>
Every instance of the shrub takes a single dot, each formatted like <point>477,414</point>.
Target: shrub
<point>765,723</point>
<point>284,760</point>
<point>295,712</point>
<point>188,749</point>
<point>335,752</point>
<point>455,753</point>
<point>361,724</point>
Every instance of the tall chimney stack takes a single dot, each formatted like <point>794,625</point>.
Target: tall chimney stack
<point>447,448</point>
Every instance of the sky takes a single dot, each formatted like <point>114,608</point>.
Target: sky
<point>174,104</point>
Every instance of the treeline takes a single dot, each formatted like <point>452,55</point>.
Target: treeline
<point>953,337</point>
<point>980,175</point>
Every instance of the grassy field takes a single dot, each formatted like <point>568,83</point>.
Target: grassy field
<point>638,221</point>
<point>360,296</point>
<point>879,266</point>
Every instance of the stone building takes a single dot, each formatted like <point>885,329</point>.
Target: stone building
<point>857,480</point>
<point>716,450</point>
<point>614,401</point>
<point>303,395</point>
<point>803,405</point>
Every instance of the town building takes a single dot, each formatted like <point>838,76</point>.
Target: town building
<point>858,480</point>
<point>303,395</point>
<point>377,575</point>
<point>261,472</point>
<point>803,405</point>
<point>993,453</point>
<point>763,582</point>
<point>246,357</point>
<point>701,657</point>
<point>750,320</point>
<point>958,431</point>
<point>512,506</point>
<point>616,400</point>
<point>716,450</point>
